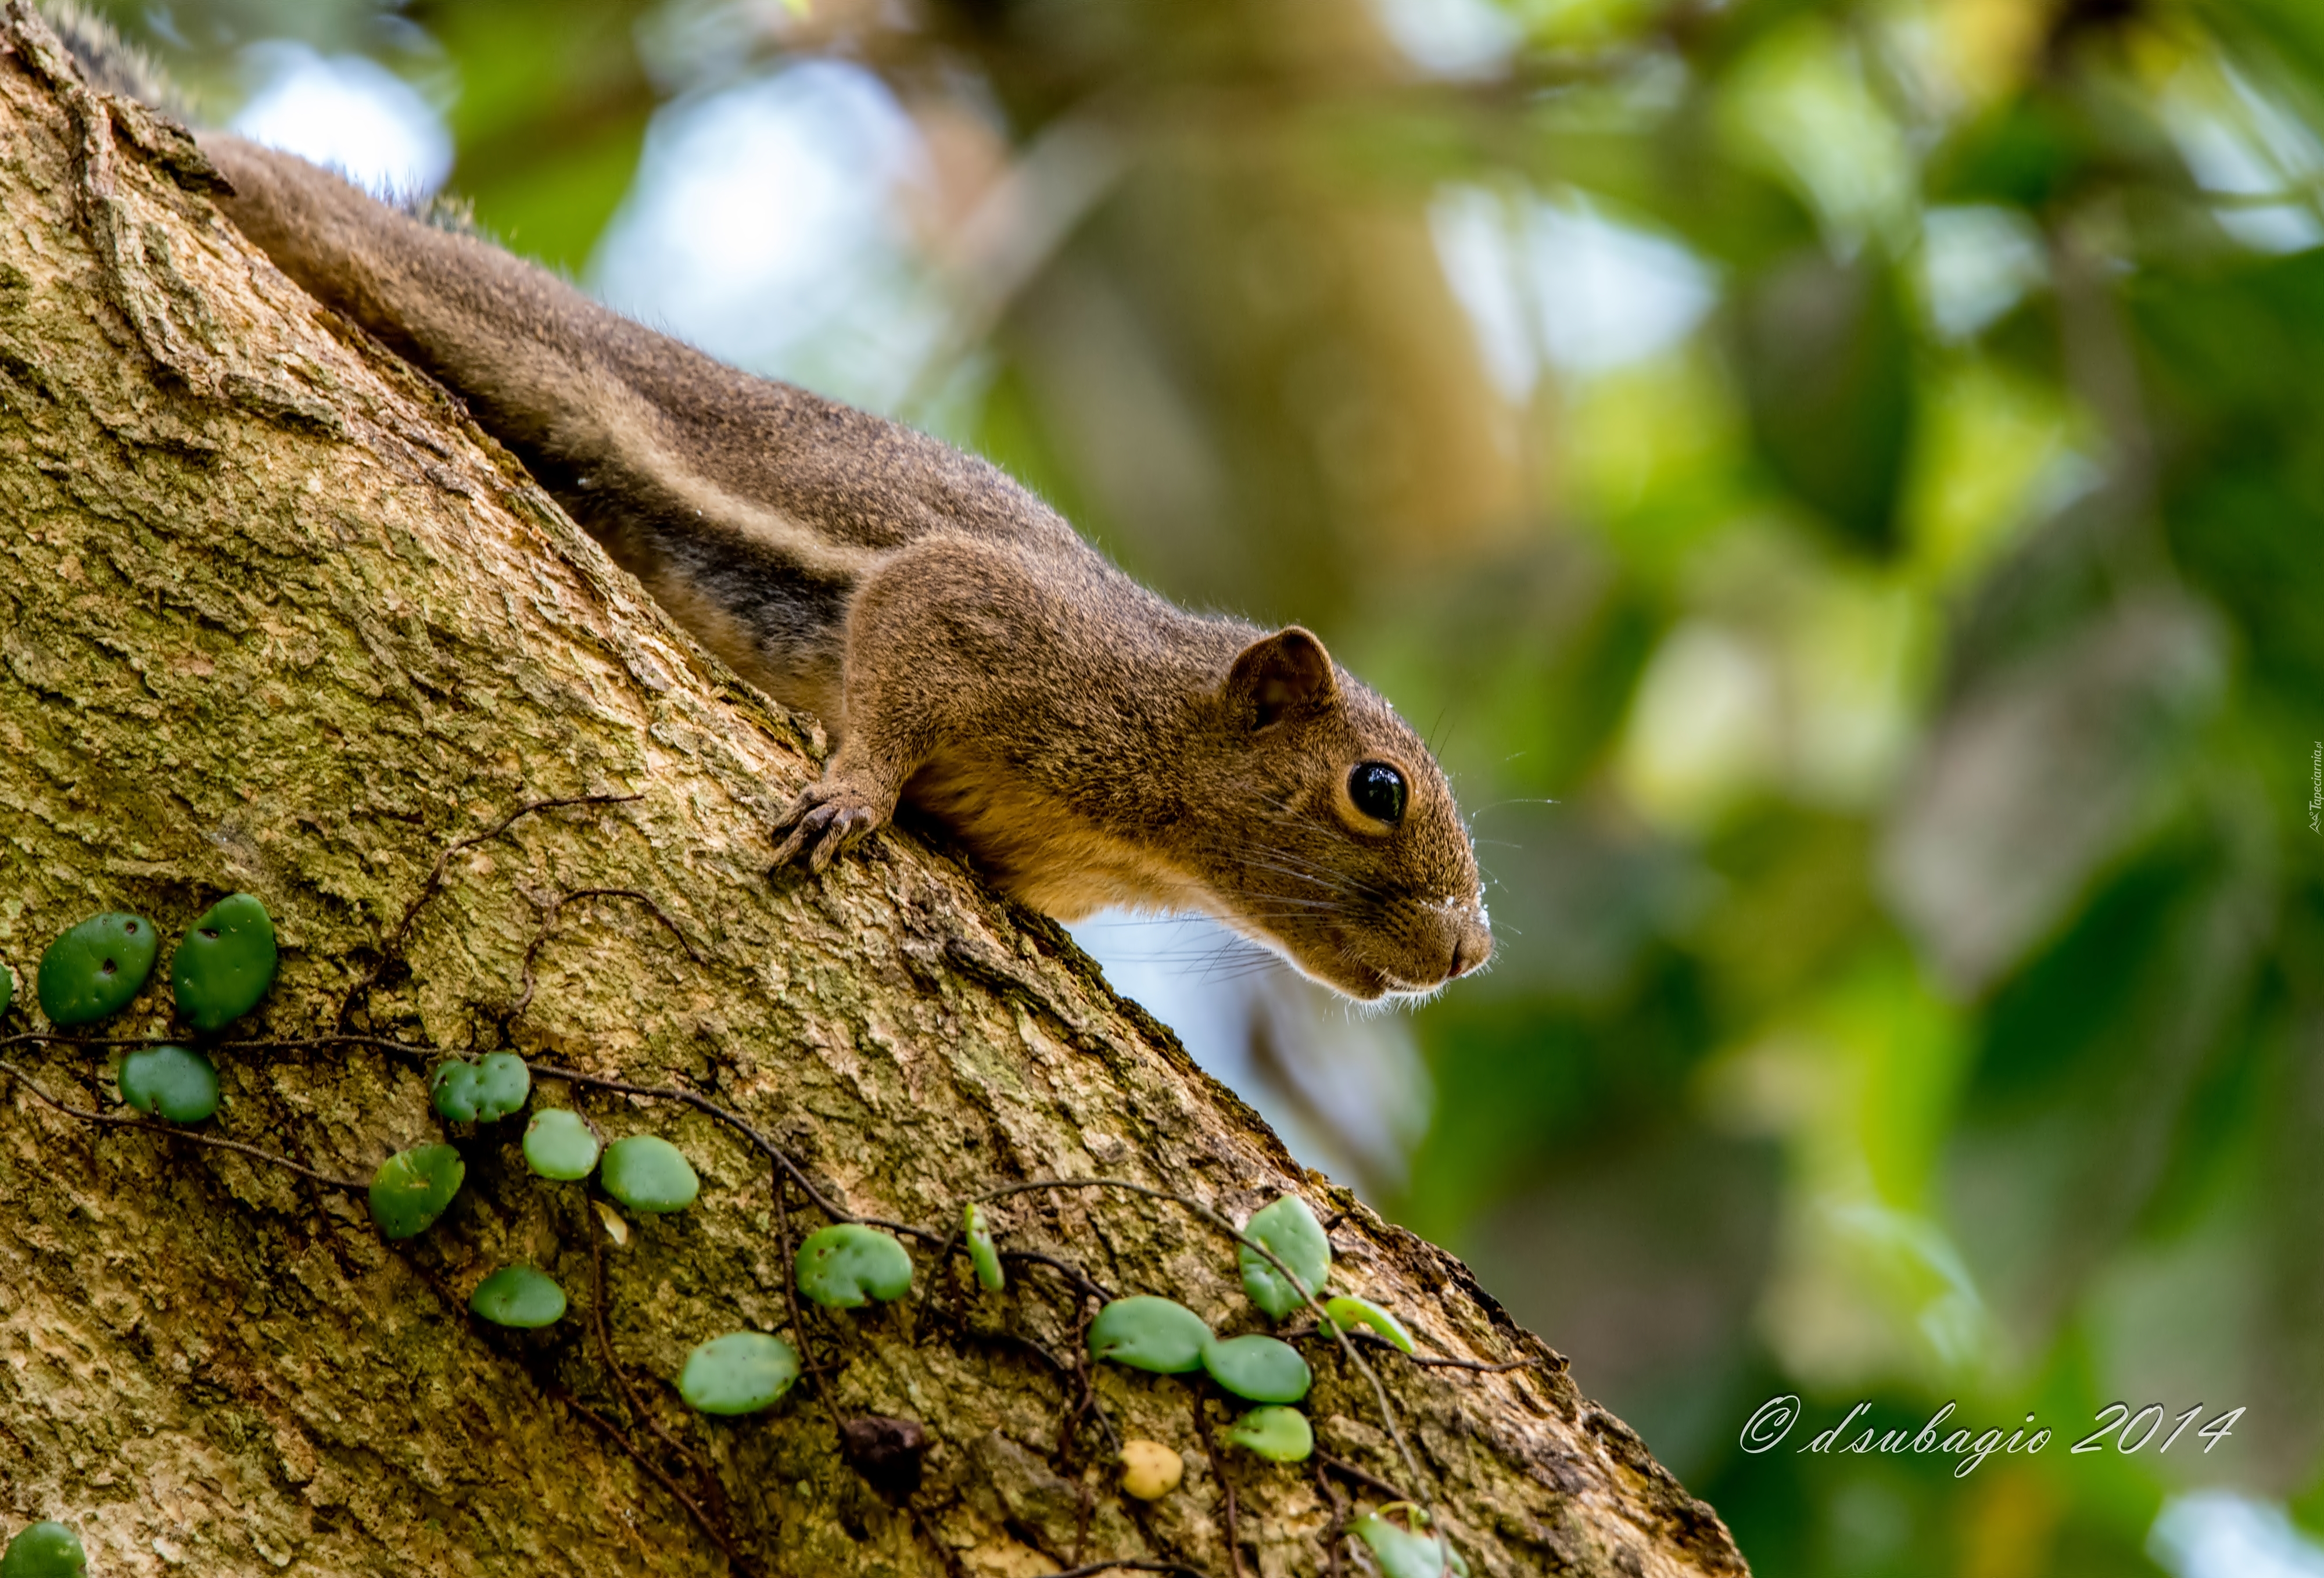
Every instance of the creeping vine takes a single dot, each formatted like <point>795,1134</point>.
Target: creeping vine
<point>856,1258</point>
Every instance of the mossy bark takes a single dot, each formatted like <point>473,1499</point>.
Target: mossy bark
<point>276,618</point>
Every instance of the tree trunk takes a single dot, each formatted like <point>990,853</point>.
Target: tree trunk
<point>278,619</point>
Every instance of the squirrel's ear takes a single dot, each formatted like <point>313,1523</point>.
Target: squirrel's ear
<point>1286,675</point>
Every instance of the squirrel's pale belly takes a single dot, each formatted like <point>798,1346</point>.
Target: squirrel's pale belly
<point>1041,849</point>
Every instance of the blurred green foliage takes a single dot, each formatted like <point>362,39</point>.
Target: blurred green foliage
<point>1887,700</point>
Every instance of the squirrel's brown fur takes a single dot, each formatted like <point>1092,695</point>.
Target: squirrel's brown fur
<point>110,62</point>
<point>1086,743</point>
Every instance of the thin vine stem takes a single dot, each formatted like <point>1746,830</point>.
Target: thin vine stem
<point>661,1477</point>
<point>1226,1483</point>
<point>556,905</point>
<point>1082,1281</point>
<point>1427,1361</point>
<point>1431,1362</point>
<point>390,946</point>
<point>807,1359</point>
<point>293,1044</point>
<point>702,1103</point>
<point>596,1231</point>
<point>1338,1530</point>
<point>172,1131</point>
<point>1090,1402</point>
<point>1361,1475</point>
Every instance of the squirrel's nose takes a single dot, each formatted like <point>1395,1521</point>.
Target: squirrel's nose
<point>1472,944</point>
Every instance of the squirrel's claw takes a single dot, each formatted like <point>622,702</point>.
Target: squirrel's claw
<point>824,819</point>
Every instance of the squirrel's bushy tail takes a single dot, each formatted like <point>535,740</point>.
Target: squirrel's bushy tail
<point>111,63</point>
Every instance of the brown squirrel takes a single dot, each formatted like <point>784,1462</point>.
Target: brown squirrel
<point>1083,740</point>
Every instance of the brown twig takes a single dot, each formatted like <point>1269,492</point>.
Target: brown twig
<point>929,1532</point>
<point>1057,1367</point>
<point>1374,1340</point>
<point>1339,1526</point>
<point>1429,1363</point>
<point>390,947</point>
<point>336,1038</point>
<point>1089,1402</point>
<point>733,1557</point>
<point>1226,1483</point>
<point>296,1044</point>
<point>714,1491</point>
<point>172,1131</point>
<point>807,1360</point>
<point>1082,1281</point>
<point>703,1103</point>
<point>548,924</point>
<point>1362,1477</point>
<point>744,1127</point>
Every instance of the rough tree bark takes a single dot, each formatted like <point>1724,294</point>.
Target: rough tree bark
<point>278,618</point>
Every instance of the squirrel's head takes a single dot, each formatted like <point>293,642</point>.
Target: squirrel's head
<point>1350,855</point>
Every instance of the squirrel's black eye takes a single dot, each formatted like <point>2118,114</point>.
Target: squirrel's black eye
<point>1378,790</point>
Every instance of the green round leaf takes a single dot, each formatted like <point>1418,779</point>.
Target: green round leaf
<point>479,1092</point>
<point>1147,1332</point>
<point>502,1084</point>
<point>1258,1368</point>
<point>413,1187</point>
<point>646,1172</point>
<point>849,1265</point>
<point>738,1373</point>
<point>1349,1311</point>
<point>453,1089</point>
<point>981,1252</point>
<point>224,963</point>
<point>96,968</point>
<point>45,1550</point>
<point>1277,1433</point>
<point>1402,1554</point>
<point>176,1082</point>
<point>7,987</point>
<point>560,1144</point>
<point>518,1296</point>
<point>1291,1231</point>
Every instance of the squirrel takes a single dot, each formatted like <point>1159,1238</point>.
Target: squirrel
<point>1085,741</point>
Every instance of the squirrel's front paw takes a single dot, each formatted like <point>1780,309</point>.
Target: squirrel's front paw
<point>825,818</point>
